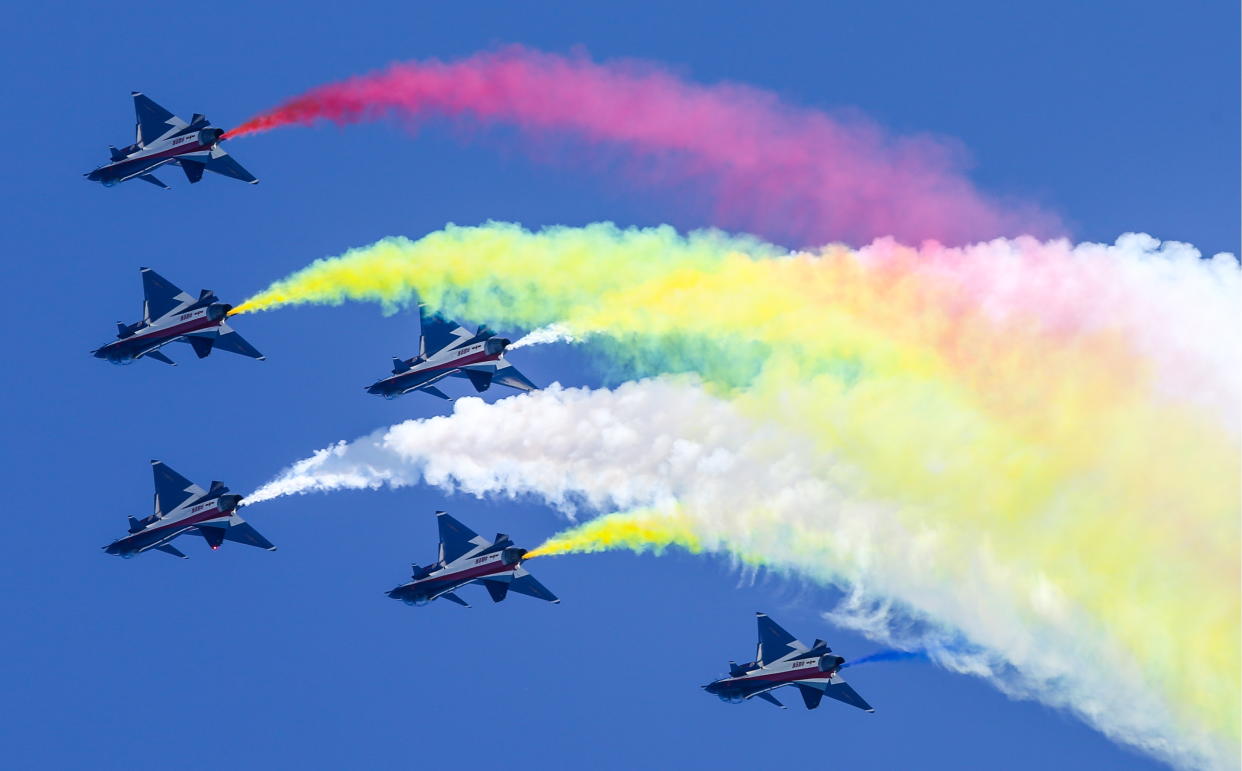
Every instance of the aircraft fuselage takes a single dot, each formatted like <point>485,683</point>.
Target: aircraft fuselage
<point>815,670</point>
<point>439,580</point>
<point>143,160</point>
<point>161,531</point>
<point>159,333</point>
<point>440,365</point>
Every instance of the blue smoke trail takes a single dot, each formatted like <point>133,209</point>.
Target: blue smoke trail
<point>892,654</point>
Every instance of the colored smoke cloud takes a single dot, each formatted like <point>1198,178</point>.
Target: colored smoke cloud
<point>765,165</point>
<point>770,495</point>
<point>1003,317</point>
<point>1030,447</point>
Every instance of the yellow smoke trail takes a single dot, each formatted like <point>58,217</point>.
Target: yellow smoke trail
<point>1049,444</point>
<point>471,269</point>
<point>639,531</point>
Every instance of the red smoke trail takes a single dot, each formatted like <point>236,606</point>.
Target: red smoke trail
<point>768,166</point>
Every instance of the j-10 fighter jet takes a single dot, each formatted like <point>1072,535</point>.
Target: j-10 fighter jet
<point>163,138</point>
<point>447,348</point>
<point>467,557</point>
<point>781,660</point>
<point>170,314</point>
<point>183,507</point>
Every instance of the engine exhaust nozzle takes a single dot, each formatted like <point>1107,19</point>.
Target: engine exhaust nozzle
<point>512,555</point>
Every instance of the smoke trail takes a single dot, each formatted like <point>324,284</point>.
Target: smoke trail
<point>553,333</point>
<point>1031,446</point>
<point>892,654</point>
<point>1144,648</point>
<point>638,531</point>
<point>787,171</point>
<point>1008,317</point>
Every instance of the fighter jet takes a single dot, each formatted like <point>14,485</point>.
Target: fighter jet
<point>183,507</point>
<point>170,314</point>
<point>467,557</point>
<point>163,138</point>
<point>447,348</point>
<point>781,660</point>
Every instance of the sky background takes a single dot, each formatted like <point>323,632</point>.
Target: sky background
<point>1118,115</point>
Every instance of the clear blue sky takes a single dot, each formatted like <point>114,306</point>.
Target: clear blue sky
<point>1120,115</point>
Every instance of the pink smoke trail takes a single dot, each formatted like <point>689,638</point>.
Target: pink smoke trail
<point>766,165</point>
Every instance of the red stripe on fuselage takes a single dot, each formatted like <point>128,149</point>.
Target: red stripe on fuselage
<point>171,152</point>
<point>478,571</point>
<point>193,325</point>
<point>477,358</point>
<point>806,673</point>
<point>212,513</point>
<point>474,358</point>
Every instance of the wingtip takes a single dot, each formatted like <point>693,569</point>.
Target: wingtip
<point>254,182</point>
<point>154,461</point>
<point>262,358</point>
<point>272,549</point>
<point>135,93</point>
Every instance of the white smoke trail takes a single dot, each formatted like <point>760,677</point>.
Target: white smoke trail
<point>755,488</point>
<point>552,333</point>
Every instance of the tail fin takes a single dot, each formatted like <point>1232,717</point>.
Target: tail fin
<point>524,583</point>
<point>214,536</point>
<point>480,380</point>
<point>497,589</point>
<point>153,180</point>
<point>159,357</point>
<point>227,339</point>
<point>508,375</point>
<point>840,690</point>
<point>811,696</point>
<point>221,163</point>
<point>202,346</point>
<point>240,531</point>
<point>193,170</point>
